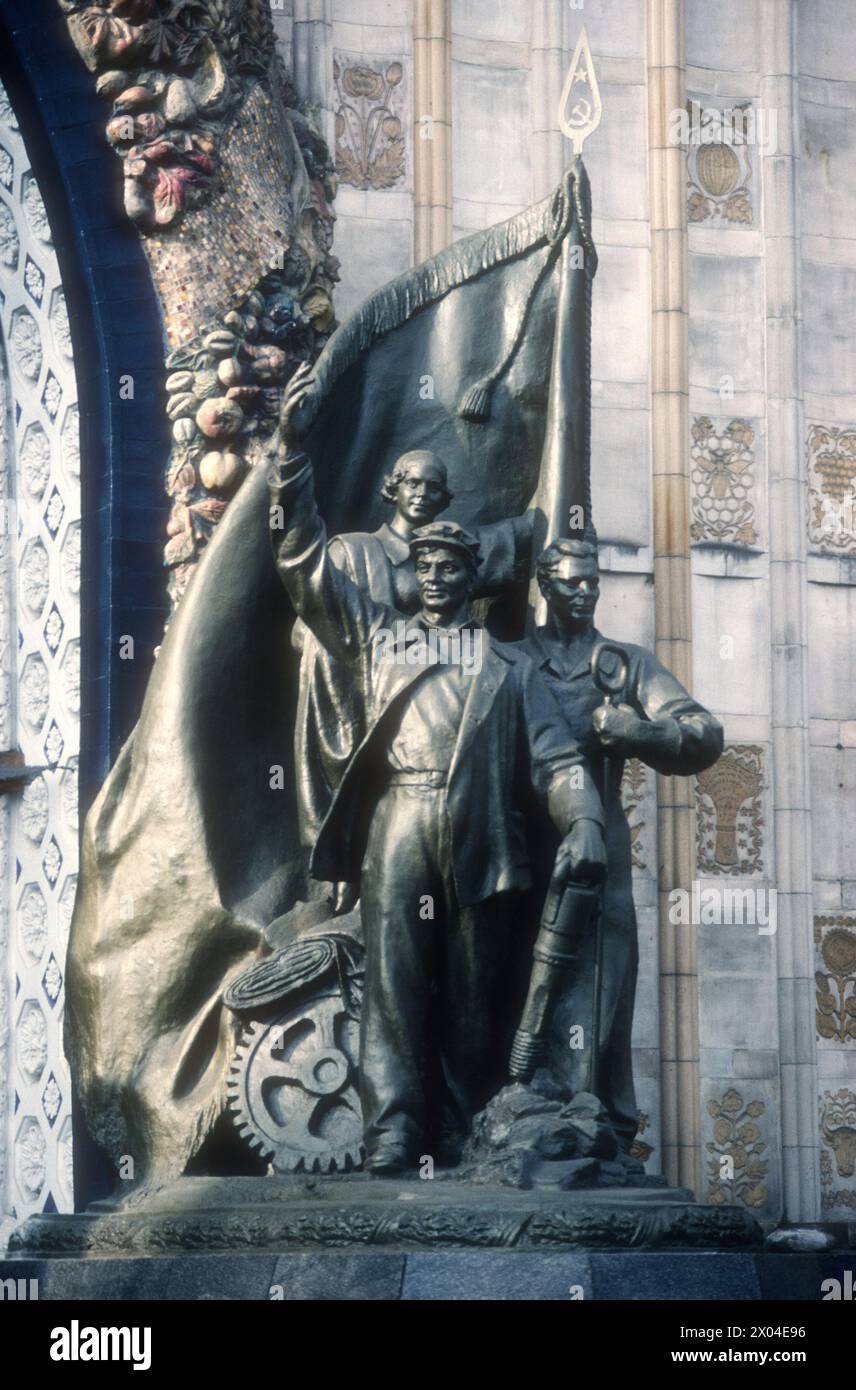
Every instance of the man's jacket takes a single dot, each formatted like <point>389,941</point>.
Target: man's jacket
<point>511,734</point>
<point>328,729</point>
<point>692,739</point>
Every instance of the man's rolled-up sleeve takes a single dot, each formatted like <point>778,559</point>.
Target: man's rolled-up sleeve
<point>560,773</point>
<point>690,737</point>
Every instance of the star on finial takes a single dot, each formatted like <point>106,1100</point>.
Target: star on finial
<point>580,107</point>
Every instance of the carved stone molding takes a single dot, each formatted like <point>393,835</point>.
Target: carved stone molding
<point>832,488</point>
<point>724,481</point>
<point>730,814</point>
<point>835,977</point>
<point>838,1149</point>
<point>636,797</point>
<point>372,121</point>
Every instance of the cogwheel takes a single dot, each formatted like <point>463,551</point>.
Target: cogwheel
<point>293,1087</point>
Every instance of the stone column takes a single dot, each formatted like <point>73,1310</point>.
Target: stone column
<point>549,59</point>
<point>432,112</point>
<point>788,622</point>
<point>672,578</point>
<point>312,40</point>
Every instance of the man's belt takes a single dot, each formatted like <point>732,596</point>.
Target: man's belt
<point>418,779</point>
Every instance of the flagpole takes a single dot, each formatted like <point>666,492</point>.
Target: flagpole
<point>563,498</point>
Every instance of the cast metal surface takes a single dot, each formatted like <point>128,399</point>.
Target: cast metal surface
<point>202,1214</point>
<point>568,913</point>
<point>188,855</point>
<point>647,714</point>
<point>293,1087</point>
<point>428,811</point>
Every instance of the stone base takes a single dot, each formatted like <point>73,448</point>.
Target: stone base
<point>703,1276</point>
<point>278,1214</point>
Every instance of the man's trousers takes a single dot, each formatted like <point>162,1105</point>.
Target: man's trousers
<point>433,1026</point>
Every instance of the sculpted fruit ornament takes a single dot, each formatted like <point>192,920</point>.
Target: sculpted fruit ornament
<point>219,418</point>
<point>220,472</point>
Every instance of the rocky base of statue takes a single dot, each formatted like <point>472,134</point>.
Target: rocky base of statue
<point>537,1134</point>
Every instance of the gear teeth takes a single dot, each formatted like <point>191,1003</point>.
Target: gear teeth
<point>275,1138</point>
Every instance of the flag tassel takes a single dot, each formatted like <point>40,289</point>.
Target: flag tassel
<point>475,403</point>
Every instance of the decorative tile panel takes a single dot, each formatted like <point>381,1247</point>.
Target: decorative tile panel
<point>372,120</point>
<point>640,807</point>
<point>39,689</point>
<point>835,977</point>
<point>724,482</point>
<point>737,1165</point>
<point>730,814</point>
<point>838,1151</point>
<point>832,488</point>
<point>720,175</point>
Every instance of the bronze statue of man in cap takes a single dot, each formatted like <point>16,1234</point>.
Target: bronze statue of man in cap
<point>427,818</point>
<point>328,727</point>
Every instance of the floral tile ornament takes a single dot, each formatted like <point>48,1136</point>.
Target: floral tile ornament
<point>736,1167</point>
<point>34,280</point>
<point>835,977</point>
<point>370,121</point>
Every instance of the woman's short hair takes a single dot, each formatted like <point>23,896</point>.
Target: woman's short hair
<point>389,487</point>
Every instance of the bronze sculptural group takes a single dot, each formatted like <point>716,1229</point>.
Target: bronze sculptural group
<point>428,810</point>
<point>325,837</point>
<point>426,813</point>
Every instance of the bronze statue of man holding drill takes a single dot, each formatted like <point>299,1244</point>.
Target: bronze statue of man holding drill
<point>647,715</point>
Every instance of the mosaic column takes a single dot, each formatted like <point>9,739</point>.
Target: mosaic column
<point>788,598</point>
<point>39,691</point>
<point>432,107</point>
<point>672,578</point>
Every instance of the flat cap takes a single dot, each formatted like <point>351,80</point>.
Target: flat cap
<point>446,535</point>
